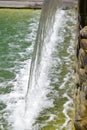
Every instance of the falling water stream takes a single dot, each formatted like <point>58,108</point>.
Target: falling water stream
<point>45,101</point>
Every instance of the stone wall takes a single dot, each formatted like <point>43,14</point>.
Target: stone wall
<point>80,69</point>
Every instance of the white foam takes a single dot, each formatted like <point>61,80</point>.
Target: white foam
<point>66,109</point>
<point>65,80</point>
<point>37,99</point>
<point>15,100</point>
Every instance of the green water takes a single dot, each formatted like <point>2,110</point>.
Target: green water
<point>17,36</point>
<point>58,116</point>
<point>18,30</point>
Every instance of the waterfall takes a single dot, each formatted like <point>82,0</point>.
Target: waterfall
<point>51,51</point>
<point>36,93</point>
<point>38,86</point>
<point>45,28</point>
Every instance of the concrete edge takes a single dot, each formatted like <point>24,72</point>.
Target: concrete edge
<point>21,4</point>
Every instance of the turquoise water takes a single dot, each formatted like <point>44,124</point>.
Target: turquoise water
<point>49,104</point>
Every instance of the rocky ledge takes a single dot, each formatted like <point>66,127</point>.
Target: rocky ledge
<point>32,4</point>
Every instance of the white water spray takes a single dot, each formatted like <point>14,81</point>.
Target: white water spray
<point>37,99</point>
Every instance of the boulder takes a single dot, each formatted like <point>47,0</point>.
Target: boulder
<point>83,43</point>
<point>83,32</point>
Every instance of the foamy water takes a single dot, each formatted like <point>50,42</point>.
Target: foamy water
<point>28,109</point>
<point>23,111</point>
<point>37,100</point>
<point>15,100</point>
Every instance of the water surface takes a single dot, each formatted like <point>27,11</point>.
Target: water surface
<point>17,36</point>
<point>49,102</point>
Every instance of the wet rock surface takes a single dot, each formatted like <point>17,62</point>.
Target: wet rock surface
<point>83,32</point>
<point>80,98</point>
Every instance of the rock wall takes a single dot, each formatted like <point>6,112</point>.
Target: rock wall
<point>80,70</point>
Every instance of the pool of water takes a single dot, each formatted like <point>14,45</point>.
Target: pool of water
<point>17,36</point>
<point>52,111</point>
